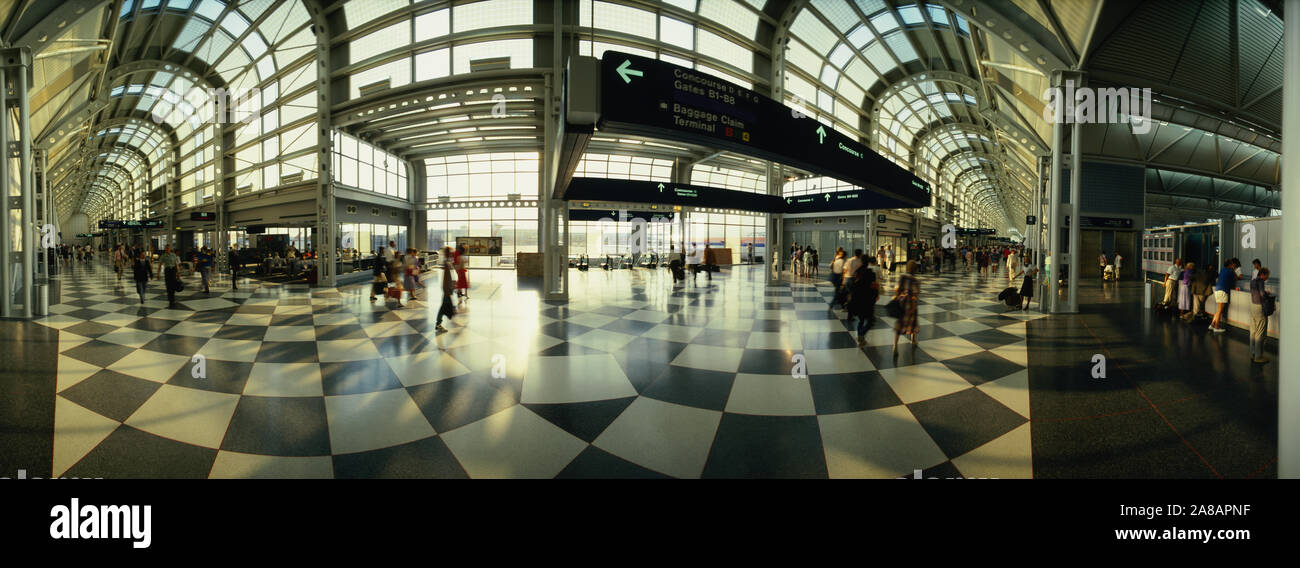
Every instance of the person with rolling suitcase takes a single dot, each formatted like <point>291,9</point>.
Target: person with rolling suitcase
<point>1027,288</point>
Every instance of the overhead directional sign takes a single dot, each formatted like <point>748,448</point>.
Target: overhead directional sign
<point>632,191</point>
<point>653,98</point>
<point>621,215</point>
<point>856,200</point>
<point>144,224</point>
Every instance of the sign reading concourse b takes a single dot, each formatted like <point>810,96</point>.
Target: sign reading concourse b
<point>652,98</point>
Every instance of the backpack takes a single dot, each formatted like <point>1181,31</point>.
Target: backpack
<point>1267,304</point>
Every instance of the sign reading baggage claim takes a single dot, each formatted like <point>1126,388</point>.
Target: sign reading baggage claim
<point>652,98</point>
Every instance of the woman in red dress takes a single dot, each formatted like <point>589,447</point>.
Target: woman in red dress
<point>461,261</point>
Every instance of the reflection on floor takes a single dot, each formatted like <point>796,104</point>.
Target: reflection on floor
<point>1176,401</point>
<point>633,378</point>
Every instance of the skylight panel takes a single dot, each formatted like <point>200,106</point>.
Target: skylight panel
<point>813,32</point>
<point>838,12</point>
<point>235,24</point>
<point>830,76</point>
<point>210,9</point>
<point>901,47</point>
<point>884,23</point>
<point>911,15</point>
<point>870,7</point>
<point>732,15</point>
<point>861,36</point>
<point>841,55</point>
<point>676,32</point>
<point>938,15</point>
<point>190,35</point>
<point>878,56</point>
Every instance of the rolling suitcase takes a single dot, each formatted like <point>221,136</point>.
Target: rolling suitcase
<point>1010,297</point>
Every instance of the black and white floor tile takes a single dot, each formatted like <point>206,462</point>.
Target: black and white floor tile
<point>632,378</point>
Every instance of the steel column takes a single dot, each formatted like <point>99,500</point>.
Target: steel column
<point>1076,190</point>
<point>1053,223</point>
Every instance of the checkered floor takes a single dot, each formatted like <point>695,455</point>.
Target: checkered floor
<point>634,377</point>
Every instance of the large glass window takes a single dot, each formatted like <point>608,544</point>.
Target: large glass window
<point>361,166</point>
<point>463,188</point>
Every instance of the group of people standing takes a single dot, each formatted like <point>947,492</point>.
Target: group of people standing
<point>803,260</point>
<point>986,259</point>
<point>1109,270</point>
<point>83,253</point>
<point>1193,287</point>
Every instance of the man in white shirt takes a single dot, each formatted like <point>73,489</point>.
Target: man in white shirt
<point>1172,274</point>
<point>1118,263</point>
<point>851,266</point>
<point>889,258</point>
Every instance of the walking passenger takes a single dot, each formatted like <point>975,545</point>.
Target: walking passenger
<point>907,294</point>
<point>461,259</point>
<point>862,300</point>
<point>379,284</point>
<point>141,271</point>
<point>203,264</point>
<point>837,277</point>
<point>170,264</point>
<point>395,270</point>
<point>447,310</point>
<point>411,269</point>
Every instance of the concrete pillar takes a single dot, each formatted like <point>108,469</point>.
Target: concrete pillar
<point>1288,416</point>
<point>417,188</point>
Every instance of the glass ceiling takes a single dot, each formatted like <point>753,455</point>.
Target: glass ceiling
<point>837,60</point>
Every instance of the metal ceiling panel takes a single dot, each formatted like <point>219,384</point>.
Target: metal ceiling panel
<point>1205,63</point>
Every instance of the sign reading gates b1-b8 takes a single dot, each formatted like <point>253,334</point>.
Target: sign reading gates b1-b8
<point>652,98</point>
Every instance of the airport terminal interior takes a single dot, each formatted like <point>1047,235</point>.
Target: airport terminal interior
<point>598,239</point>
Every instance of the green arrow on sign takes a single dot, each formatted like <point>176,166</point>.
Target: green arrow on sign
<point>828,197</point>
<point>821,135</point>
<point>626,72</point>
<point>661,188</point>
<point>787,201</point>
